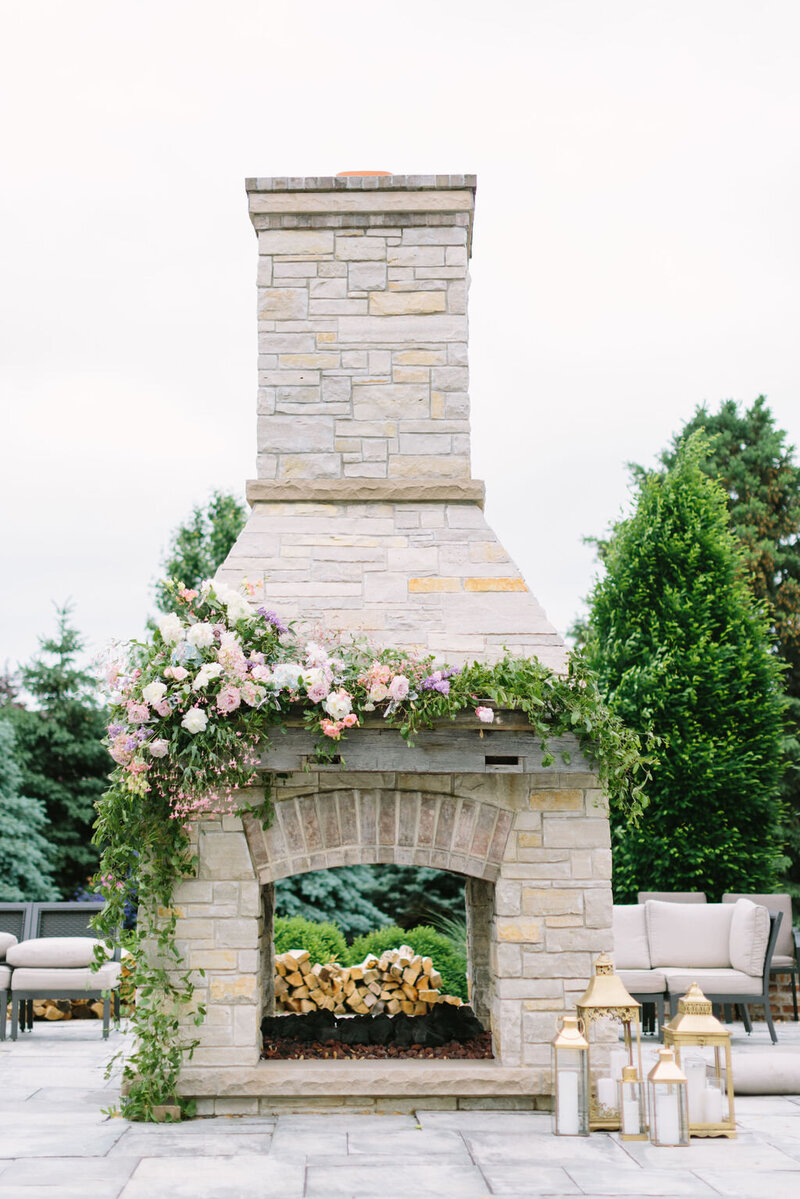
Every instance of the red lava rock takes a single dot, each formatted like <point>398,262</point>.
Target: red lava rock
<point>290,1049</point>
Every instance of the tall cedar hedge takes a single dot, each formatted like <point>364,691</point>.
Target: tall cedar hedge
<point>681,647</point>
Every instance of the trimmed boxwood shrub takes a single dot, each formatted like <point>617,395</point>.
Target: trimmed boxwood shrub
<point>324,940</point>
<point>425,941</point>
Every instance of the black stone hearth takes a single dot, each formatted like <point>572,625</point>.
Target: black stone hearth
<point>446,1031</point>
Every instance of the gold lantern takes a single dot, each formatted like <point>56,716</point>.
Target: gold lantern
<point>709,1085</point>
<point>632,1106</point>
<point>571,1080</point>
<point>666,1093</point>
<point>604,1004</point>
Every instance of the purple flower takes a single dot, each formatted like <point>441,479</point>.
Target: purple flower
<point>273,619</point>
<point>438,681</point>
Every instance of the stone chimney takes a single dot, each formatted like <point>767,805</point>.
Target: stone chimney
<point>365,516</point>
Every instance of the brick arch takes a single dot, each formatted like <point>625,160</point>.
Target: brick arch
<point>361,825</point>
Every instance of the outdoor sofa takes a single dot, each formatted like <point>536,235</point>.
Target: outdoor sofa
<point>661,948</point>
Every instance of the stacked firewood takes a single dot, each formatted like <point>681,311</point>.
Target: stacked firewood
<point>397,981</point>
<point>68,1009</point>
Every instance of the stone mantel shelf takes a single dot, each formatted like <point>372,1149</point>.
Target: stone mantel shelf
<point>375,491</point>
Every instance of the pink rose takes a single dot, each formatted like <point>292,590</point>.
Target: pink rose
<point>163,708</point>
<point>228,699</point>
<point>137,713</point>
<point>318,692</point>
<point>261,673</point>
<point>159,748</point>
<point>332,729</point>
<point>349,720</point>
<point>398,688</point>
<point>178,673</point>
<point>251,694</point>
<point>485,715</point>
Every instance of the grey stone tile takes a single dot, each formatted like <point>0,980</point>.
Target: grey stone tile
<point>527,1179</point>
<point>300,1142</point>
<point>406,1142</point>
<point>444,1178</point>
<point>241,1177</point>
<point>640,1182</point>
<point>67,1189</point>
<point>765,1105</point>
<point>597,1150</point>
<point>345,1122</point>
<point>773,1128</point>
<point>755,1184</point>
<point>485,1121</point>
<point>748,1152</point>
<point>166,1142</point>
<point>47,1141</point>
<point>55,1171</point>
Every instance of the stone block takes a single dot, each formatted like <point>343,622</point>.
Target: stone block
<point>425,256</point>
<point>282,303</point>
<point>601,864</point>
<point>528,841</point>
<point>225,856</point>
<point>285,343</point>
<point>297,433</point>
<point>239,933</point>
<point>518,929</point>
<point>233,988</point>
<point>419,357</point>
<point>192,890</point>
<point>450,378</point>
<point>580,834</point>
<point>400,303</point>
<point>554,801</point>
<point>551,901</point>
<point>559,965</point>
<point>309,466</point>
<point>437,235</point>
<point>328,289</point>
<point>373,402</point>
<point>508,898</point>
<point>565,940</point>
<point>367,276</point>
<point>414,466</point>
<point>295,241</point>
<point>540,1027</point>
<point>597,907</point>
<point>581,861</point>
<point>425,443</point>
<point>360,249</point>
<point>292,270</point>
<point>411,330</point>
<point>212,959</point>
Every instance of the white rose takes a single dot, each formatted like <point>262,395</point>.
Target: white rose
<point>159,748</point>
<point>378,693</point>
<point>315,676</point>
<point>338,705</point>
<point>238,608</point>
<point>194,721</point>
<point>153,693</point>
<point>200,635</point>
<point>287,674</point>
<point>212,670</point>
<point>171,628</point>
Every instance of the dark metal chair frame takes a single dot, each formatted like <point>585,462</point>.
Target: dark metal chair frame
<point>20,927</point>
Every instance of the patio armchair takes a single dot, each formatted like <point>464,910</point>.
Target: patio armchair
<point>786,958</point>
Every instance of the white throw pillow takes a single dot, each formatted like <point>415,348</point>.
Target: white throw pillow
<point>689,934</point>
<point>631,951</point>
<point>45,953</point>
<point>749,936</point>
<point>6,941</point>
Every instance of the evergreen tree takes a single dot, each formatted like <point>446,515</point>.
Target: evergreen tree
<point>200,545</point>
<point>755,466</point>
<point>60,752</point>
<point>681,646</point>
<point>25,867</point>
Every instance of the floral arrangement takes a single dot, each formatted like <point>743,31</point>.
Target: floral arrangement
<point>189,709</point>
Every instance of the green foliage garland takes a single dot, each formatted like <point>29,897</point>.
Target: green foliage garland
<point>188,710</point>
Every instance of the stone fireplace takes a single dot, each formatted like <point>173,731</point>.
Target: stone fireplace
<point>365,518</point>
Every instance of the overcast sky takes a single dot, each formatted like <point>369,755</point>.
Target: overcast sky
<point>635,252</point>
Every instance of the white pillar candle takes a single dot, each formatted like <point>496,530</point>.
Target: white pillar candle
<point>568,1121</point>
<point>607,1093</point>
<point>630,1118</point>
<point>667,1123</point>
<point>713,1105</point>
<point>617,1059</point>
<point>695,1070</point>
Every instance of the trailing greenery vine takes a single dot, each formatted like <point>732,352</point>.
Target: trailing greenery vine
<point>190,709</point>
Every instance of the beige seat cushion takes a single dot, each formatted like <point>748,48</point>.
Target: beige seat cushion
<point>54,952</point>
<point>749,936</point>
<point>783,962</point>
<point>643,982</point>
<point>54,982</point>
<point>713,982</point>
<point>6,941</point>
<point>689,934</point>
<point>5,975</point>
<point>631,951</point>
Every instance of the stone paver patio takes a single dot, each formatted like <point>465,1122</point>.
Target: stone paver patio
<point>55,1142</point>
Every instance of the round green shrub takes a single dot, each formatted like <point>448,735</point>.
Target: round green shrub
<point>323,940</point>
<point>425,941</point>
